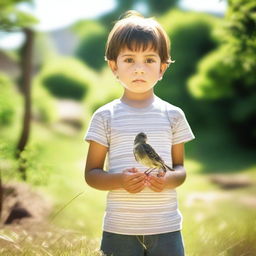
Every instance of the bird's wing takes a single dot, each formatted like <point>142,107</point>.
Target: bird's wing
<point>139,152</point>
<point>135,155</point>
<point>152,153</point>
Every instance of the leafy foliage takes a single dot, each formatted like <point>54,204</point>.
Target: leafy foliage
<point>192,37</point>
<point>214,77</point>
<point>105,89</point>
<point>44,107</point>
<point>66,78</point>
<point>63,86</point>
<point>87,27</point>
<point>229,72</point>
<point>91,47</point>
<point>94,43</point>
<point>37,172</point>
<point>162,6</point>
<point>241,34</point>
<point>11,18</point>
<point>7,96</point>
<point>147,7</point>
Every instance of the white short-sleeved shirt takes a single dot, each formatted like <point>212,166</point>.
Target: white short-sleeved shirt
<point>115,126</point>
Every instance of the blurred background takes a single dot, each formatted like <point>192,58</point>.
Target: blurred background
<point>53,77</point>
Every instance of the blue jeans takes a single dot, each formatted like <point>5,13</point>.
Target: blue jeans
<point>167,244</point>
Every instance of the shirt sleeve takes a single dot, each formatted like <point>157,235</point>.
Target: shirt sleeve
<point>181,131</point>
<point>98,130</point>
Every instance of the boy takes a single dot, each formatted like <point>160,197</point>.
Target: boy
<point>142,216</point>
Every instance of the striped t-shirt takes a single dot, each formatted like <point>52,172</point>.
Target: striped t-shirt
<point>115,126</point>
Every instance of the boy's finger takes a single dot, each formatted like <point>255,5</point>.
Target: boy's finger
<point>137,179</point>
<point>133,170</point>
<point>136,188</point>
<point>155,188</point>
<point>156,180</point>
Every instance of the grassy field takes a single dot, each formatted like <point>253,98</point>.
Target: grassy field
<point>217,221</point>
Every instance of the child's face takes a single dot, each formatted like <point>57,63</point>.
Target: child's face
<point>138,71</point>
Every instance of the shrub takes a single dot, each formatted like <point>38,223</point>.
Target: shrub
<point>7,100</point>
<point>67,78</point>
<point>192,35</point>
<point>43,107</point>
<point>214,77</point>
<point>91,48</point>
<point>105,90</point>
<point>231,93</point>
<point>228,74</point>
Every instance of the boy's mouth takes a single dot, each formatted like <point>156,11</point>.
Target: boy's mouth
<point>138,80</point>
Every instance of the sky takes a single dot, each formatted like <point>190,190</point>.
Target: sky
<point>69,11</point>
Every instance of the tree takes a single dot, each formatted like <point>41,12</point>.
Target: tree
<point>150,7</point>
<point>229,72</point>
<point>97,39</point>
<point>92,43</point>
<point>159,7</point>
<point>12,19</point>
<point>26,70</point>
<point>241,35</point>
<point>109,18</point>
<point>192,38</point>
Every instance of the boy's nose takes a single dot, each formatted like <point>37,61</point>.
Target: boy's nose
<point>139,70</point>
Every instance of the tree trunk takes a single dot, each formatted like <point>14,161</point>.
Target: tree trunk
<point>26,72</point>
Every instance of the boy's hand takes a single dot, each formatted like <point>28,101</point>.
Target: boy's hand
<point>157,183</point>
<point>133,181</point>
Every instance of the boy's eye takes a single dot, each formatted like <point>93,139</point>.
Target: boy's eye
<point>150,60</point>
<point>128,60</point>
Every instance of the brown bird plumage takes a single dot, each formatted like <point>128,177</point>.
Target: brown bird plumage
<point>146,155</point>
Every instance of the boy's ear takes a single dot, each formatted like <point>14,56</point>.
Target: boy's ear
<point>112,65</point>
<point>163,68</point>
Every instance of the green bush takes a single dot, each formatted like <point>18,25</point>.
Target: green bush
<point>66,78</point>
<point>105,89</point>
<point>87,27</point>
<point>38,172</point>
<point>44,49</point>
<point>63,86</point>
<point>230,92</point>
<point>227,75</point>
<point>192,35</point>
<point>43,107</point>
<point>91,50</point>
<point>214,77</point>
<point>91,47</point>
<point>7,100</point>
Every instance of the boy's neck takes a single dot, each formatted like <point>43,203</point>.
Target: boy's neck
<point>138,100</point>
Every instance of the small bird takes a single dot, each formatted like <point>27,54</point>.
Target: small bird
<point>146,155</point>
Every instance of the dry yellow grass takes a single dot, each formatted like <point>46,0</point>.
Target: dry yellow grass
<point>26,240</point>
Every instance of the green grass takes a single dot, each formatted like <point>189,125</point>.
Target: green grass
<point>216,221</point>
<point>66,156</point>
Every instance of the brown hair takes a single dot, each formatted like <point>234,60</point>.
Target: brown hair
<point>136,32</point>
